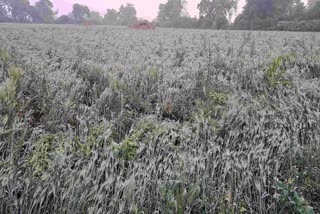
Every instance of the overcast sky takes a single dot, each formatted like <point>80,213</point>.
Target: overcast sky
<point>147,9</point>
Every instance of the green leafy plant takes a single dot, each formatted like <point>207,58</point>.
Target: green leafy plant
<point>147,128</point>
<point>95,134</point>
<point>173,197</point>
<point>42,149</point>
<point>117,84</point>
<point>217,98</point>
<point>127,149</point>
<point>9,89</point>
<point>275,71</point>
<point>211,109</point>
<point>8,96</point>
<point>4,56</point>
<point>289,200</point>
<point>153,72</point>
<point>308,171</point>
<point>93,139</point>
<point>177,195</point>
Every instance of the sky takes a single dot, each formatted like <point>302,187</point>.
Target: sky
<point>146,9</point>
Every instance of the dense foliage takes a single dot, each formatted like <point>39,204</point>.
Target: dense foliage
<point>112,120</point>
<point>312,25</point>
<point>267,14</point>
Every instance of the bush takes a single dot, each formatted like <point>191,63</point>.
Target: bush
<point>220,22</point>
<point>181,22</point>
<point>65,20</point>
<point>305,25</point>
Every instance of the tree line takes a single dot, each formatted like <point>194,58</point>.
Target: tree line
<point>213,14</point>
<point>267,14</point>
<point>42,12</point>
<point>256,15</point>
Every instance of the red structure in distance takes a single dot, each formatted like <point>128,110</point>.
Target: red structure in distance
<point>142,26</point>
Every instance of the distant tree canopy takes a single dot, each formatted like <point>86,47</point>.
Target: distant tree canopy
<point>127,14</point>
<point>43,12</point>
<point>95,18</point>
<point>4,12</point>
<point>313,11</point>
<point>312,3</point>
<point>15,10</point>
<point>213,8</point>
<point>80,12</point>
<point>171,10</point>
<point>298,10</point>
<point>111,17</point>
<point>173,14</point>
<point>214,13</point>
<point>265,14</point>
<point>22,11</point>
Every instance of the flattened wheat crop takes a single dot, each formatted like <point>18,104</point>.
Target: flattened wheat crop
<point>113,120</point>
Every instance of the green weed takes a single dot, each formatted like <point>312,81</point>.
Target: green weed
<point>153,72</point>
<point>127,149</point>
<point>9,89</point>
<point>4,56</point>
<point>275,71</point>
<point>42,153</point>
<point>289,200</point>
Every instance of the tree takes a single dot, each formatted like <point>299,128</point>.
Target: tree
<point>22,11</point>
<point>35,15</point>
<point>3,12</point>
<point>95,18</point>
<point>210,9</point>
<point>298,10</point>
<point>80,12</point>
<point>312,3</point>
<point>111,17</point>
<point>278,9</point>
<point>282,8</point>
<point>313,12</point>
<point>259,8</point>
<point>257,15</point>
<point>44,12</point>
<point>220,22</point>
<point>265,14</point>
<point>171,10</point>
<point>127,14</point>
<point>16,10</point>
<point>162,14</point>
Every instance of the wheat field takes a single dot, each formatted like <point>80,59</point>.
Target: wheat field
<point>112,120</point>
